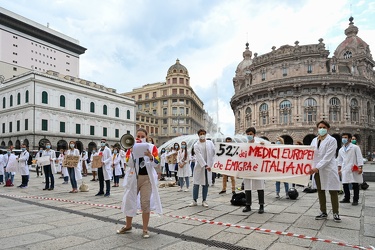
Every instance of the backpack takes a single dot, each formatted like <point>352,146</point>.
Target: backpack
<point>238,199</point>
<point>364,185</point>
<point>30,160</point>
<point>8,183</point>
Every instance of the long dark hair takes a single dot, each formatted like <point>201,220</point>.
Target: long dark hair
<point>185,150</point>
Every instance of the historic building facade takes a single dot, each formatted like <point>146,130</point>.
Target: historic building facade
<point>287,91</point>
<point>169,109</point>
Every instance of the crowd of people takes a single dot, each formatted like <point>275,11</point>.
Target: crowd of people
<point>141,174</point>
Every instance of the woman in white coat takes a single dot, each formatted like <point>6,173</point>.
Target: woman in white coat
<point>105,173</point>
<point>204,153</point>
<point>74,173</point>
<point>2,165</point>
<point>64,170</point>
<point>23,167</point>
<point>325,170</point>
<point>172,160</point>
<point>117,173</point>
<point>183,171</point>
<point>350,155</point>
<point>141,186</point>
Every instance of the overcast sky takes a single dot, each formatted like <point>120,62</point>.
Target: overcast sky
<point>133,42</point>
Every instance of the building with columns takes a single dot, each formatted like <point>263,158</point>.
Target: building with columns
<point>287,91</point>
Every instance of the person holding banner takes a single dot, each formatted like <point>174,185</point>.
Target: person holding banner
<point>204,153</point>
<point>350,162</point>
<point>105,172</point>
<point>23,167</point>
<point>93,170</point>
<point>280,140</point>
<point>252,184</point>
<point>325,170</point>
<point>73,171</point>
<point>225,177</point>
<point>50,156</point>
<point>10,167</point>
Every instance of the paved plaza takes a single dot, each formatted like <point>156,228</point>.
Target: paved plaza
<point>35,219</point>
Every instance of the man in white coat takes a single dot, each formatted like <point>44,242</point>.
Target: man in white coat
<point>23,167</point>
<point>205,153</point>
<point>325,170</point>
<point>350,155</point>
<point>105,173</point>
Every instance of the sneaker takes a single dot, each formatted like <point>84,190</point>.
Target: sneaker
<point>124,230</point>
<point>23,187</point>
<point>286,196</point>
<point>65,182</point>
<point>222,192</point>
<point>180,190</point>
<point>99,194</point>
<point>355,203</point>
<point>193,204</point>
<point>345,201</point>
<point>107,195</point>
<point>277,195</point>
<point>186,190</point>
<point>204,203</point>
<point>145,235</point>
<point>336,218</point>
<point>321,216</point>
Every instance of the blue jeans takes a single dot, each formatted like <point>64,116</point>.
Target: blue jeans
<point>182,181</point>
<point>1,178</point>
<point>9,175</point>
<point>72,176</point>
<point>192,165</point>
<point>286,186</point>
<point>196,191</point>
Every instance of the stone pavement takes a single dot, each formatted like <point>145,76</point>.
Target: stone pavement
<point>35,219</point>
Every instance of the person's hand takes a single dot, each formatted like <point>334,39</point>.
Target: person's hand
<point>360,171</point>
<point>208,169</point>
<point>314,170</point>
<point>148,154</point>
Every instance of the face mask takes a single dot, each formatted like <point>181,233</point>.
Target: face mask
<point>322,131</point>
<point>176,147</point>
<point>102,144</point>
<point>163,151</point>
<point>250,137</point>
<point>40,151</point>
<point>344,140</point>
<point>202,137</point>
<point>354,141</point>
<point>143,140</point>
<point>115,151</point>
<point>72,145</point>
<point>23,149</point>
<point>83,153</point>
<point>278,142</point>
<point>48,146</point>
<point>93,151</point>
<point>183,146</point>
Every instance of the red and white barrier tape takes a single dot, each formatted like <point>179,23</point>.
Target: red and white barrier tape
<point>301,236</point>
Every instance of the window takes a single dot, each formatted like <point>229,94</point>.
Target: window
<point>181,80</point>
<point>153,94</point>
<point>26,124</point>
<point>263,76</point>
<point>174,110</point>
<point>165,111</point>
<point>62,127</point>
<point>310,110</point>
<point>117,133</point>
<point>347,54</point>
<point>263,112</point>
<point>92,107</point>
<point>10,127</point>
<point>62,101</point>
<point>128,114</point>
<point>11,101</point>
<point>44,97</point>
<point>3,128</point>
<point>182,101</point>
<point>104,131</point>
<point>285,112</point>
<point>27,96</point>
<point>182,109</point>
<point>78,129</point>
<point>334,109</point>
<point>105,110</point>
<point>44,125</point>
<point>309,68</point>
<point>174,91</point>
<point>354,110</point>
<point>147,96</point>
<point>4,103</point>
<point>139,97</point>
<point>285,72</point>
<point>117,112</point>
<point>92,130</point>
<point>174,80</point>
<point>18,125</point>
<point>18,98</point>
<point>165,92</point>
<point>78,104</point>
<point>248,117</point>
<point>165,102</point>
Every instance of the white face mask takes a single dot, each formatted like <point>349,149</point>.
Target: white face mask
<point>202,137</point>
<point>143,140</point>
<point>322,131</point>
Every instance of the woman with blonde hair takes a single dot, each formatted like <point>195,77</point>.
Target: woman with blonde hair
<point>280,140</point>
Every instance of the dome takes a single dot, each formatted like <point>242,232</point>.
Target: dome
<point>178,68</point>
<point>243,67</point>
<point>352,45</point>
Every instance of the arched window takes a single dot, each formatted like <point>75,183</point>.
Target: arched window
<point>128,114</point>
<point>285,112</point>
<point>117,112</point>
<point>27,96</point>
<point>11,101</point>
<point>62,101</point>
<point>248,117</point>
<point>354,110</point>
<point>78,104</point>
<point>105,111</point>
<point>4,103</point>
<point>92,107</point>
<point>334,109</point>
<point>18,98</point>
<point>44,97</point>
<point>347,54</point>
<point>263,114</point>
<point>310,110</point>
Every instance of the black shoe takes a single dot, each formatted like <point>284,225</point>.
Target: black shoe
<point>345,201</point>
<point>321,216</point>
<point>99,194</point>
<point>50,189</point>
<point>222,192</point>
<point>233,192</point>
<point>45,188</point>
<point>261,209</point>
<point>355,203</point>
<point>246,209</point>
<point>336,218</point>
<point>107,195</point>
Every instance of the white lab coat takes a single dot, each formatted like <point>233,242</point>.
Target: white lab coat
<point>346,159</point>
<point>77,170</point>
<point>131,198</point>
<point>107,160</point>
<point>91,160</point>
<point>172,164</point>
<point>122,159</point>
<point>325,161</point>
<point>117,165</point>
<point>2,164</point>
<point>83,158</point>
<point>199,169</point>
<point>11,163</point>
<point>185,170</point>
<point>64,170</point>
<point>23,168</point>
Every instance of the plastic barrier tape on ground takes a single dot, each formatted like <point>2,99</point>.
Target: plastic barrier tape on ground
<point>207,222</point>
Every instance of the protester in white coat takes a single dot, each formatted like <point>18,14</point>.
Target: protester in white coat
<point>23,168</point>
<point>2,165</point>
<point>93,170</point>
<point>204,153</point>
<point>325,170</point>
<point>105,173</point>
<point>74,173</point>
<point>116,166</point>
<point>141,186</point>
<point>64,170</point>
<point>350,162</point>
<point>47,169</point>
<point>183,171</point>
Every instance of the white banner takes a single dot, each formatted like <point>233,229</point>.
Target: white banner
<point>44,161</point>
<point>285,163</point>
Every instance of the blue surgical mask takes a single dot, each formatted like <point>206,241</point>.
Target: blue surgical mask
<point>278,142</point>
<point>176,147</point>
<point>250,137</point>
<point>115,151</point>
<point>322,131</point>
<point>48,146</point>
<point>102,144</point>
<point>344,141</point>
<point>71,145</point>
<point>183,146</point>
<point>23,149</point>
<point>93,151</point>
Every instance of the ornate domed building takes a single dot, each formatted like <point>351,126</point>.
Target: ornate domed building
<point>287,91</point>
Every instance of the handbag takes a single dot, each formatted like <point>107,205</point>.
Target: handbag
<point>84,187</point>
<point>355,168</point>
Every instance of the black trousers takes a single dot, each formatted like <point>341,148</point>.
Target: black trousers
<point>48,175</point>
<point>25,180</point>
<point>355,191</point>
<point>101,182</point>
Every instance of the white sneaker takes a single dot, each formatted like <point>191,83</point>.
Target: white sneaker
<point>204,203</point>
<point>277,195</point>
<point>193,204</point>
<point>180,190</point>
<point>186,190</point>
